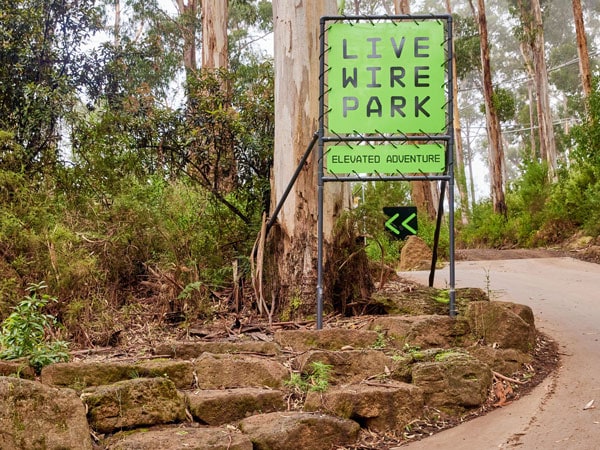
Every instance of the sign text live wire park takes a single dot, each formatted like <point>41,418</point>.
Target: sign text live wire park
<point>386,77</point>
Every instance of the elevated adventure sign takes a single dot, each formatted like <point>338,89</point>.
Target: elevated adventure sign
<point>387,77</point>
<point>386,158</point>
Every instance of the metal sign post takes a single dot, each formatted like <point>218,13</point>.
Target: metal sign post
<point>385,108</point>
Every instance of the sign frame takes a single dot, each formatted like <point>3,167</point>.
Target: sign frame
<point>389,60</point>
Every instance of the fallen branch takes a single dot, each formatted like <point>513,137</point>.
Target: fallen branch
<point>505,378</point>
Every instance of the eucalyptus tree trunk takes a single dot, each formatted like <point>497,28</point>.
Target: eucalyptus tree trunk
<point>531,21</point>
<point>402,6</point>
<point>290,258</point>
<point>188,11</point>
<point>547,141</point>
<point>459,159</point>
<point>469,153</point>
<point>496,151</point>
<point>526,53</point>
<point>214,34</point>
<point>117,24</point>
<point>217,160</point>
<point>582,50</point>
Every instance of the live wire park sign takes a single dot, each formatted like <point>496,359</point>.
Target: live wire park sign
<point>385,114</point>
<point>386,78</point>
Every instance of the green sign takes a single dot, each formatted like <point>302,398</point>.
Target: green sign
<point>386,159</point>
<point>402,221</point>
<point>386,77</point>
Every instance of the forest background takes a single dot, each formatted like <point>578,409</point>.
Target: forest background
<point>134,178</point>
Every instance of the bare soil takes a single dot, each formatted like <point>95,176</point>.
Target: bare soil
<point>485,254</point>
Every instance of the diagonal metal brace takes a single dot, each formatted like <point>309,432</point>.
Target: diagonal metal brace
<point>288,189</point>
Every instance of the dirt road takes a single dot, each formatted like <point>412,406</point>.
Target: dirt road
<point>565,296</point>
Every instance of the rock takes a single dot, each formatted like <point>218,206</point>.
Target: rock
<point>523,311</point>
<point>497,323</point>
<point>133,403</point>
<point>299,430</point>
<point>181,438</point>
<point>231,371</point>
<point>579,241</point>
<point>428,331</point>
<point>380,408</point>
<point>402,368</point>
<point>217,407</point>
<point>180,372</point>
<point>504,361</point>
<point>18,369</point>
<point>415,255</point>
<point>423,301</point>
<point>454,381</point>
<point>190,350</point>
<point>35,416</point>
<point>349,366</point>
<point>80,375</point>
<point>326,339</point>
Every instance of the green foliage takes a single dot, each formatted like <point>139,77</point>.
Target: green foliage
<point>443,296</point>
<point>381,341</point>
<point>575,198</point>
<point>427,233</point>
<point>319,376</point>
<point>541,213</point>
<point>485,229</point>
<point>245,15</point>
<point>383,246</point>
<point>504,101</point>
<point>414,351</point>
<point>40,58</point>
<point>567,79</point>
<point>129,219</point>
<point>505,104</point>
<point>315,380</point>
<point>371,198</point>
<point>466,45</point>
<point>527,200</point>
<point>23,333</point>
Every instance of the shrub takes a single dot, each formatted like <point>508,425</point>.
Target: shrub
<point>23,333</point>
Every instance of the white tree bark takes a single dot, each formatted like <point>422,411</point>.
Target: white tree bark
<point>547,141</point>
<point>296,27</point>
<point>582,50</point>
<point>496,154</point>
<point>214,34</point>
